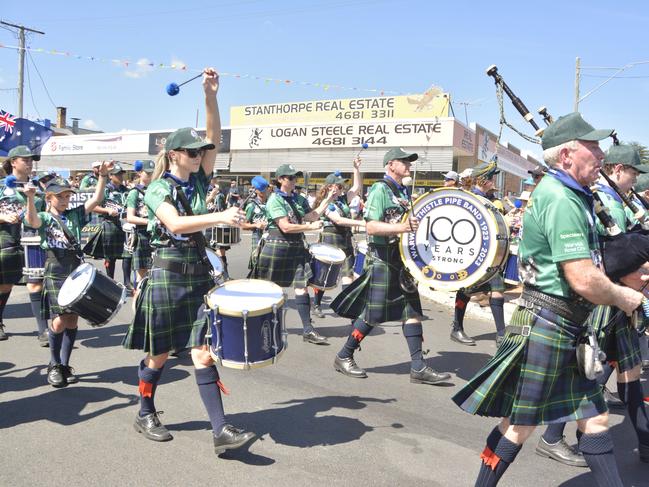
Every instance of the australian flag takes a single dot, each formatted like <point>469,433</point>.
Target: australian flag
<point>20,131</point>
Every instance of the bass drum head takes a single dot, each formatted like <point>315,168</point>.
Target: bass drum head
<point>461,241</point>
<point>327,253</point>
<point>76,284</point>
<point>255,296</point>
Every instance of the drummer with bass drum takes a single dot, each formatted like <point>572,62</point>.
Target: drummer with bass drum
<point>59,229</point>
<point>385,291</point>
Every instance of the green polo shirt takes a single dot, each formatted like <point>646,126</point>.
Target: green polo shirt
<point>52,235</point>
<point>12,201</point>
<point>88,181</point>
<point>135,200</point>
<point>278,207</point>
<point>383,206</point>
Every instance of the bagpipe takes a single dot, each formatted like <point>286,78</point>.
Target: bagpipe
<point>622,252</point>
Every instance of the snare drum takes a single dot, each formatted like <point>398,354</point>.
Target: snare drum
<point>129,241</point>
<point>223,235</point>
<point>462,240</point>
<point>92,295</point>
<point>326,264</point>
<point>247,328</point>
<point>35,258</point>
<point>359,261</point>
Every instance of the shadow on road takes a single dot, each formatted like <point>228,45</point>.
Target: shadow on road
<point>19,310</point>
<point>101,336</point>
<point>128,375</point>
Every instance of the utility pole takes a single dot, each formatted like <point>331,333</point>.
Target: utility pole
<point>21,60</point>
<point>577,81</point>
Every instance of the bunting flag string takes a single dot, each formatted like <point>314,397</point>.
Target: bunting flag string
<point>145,63</point>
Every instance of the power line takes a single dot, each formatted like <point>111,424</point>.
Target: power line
<point>42,80</point>
<point>31,94</point>
<point>617,77</point>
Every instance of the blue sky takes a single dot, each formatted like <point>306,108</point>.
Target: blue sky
<point>402,46</point>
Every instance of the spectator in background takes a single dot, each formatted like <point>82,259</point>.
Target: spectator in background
<point>90,180</point>
<point>233,194</point>
<point>451,180</point>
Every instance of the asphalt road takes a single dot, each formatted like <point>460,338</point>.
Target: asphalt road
<point>316,426</point>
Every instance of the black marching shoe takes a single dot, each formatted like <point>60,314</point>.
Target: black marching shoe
<point>43,339</point>
<point>458,335</point>
<point>3,335</point>
<point>560,451</point>
<point>230,438</point>
<point>428,375</point>
<point>151,427</point>
<point>317,310</point>
<point>612,401</point>
<point>55,375</point>
<point>314,337</point>
<point>68,374</point>
<point>348,367</point>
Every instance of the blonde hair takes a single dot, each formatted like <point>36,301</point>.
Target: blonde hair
<point>162,163</point>
<point>551,155</point>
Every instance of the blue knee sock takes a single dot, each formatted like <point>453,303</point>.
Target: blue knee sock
<point>414,334</point>
<point>554,433</point>
<point>303,307</point>
<point>598,452</point>
<point>149,379</point>
<point>55,339</point>
<point>497,310</point>
<point>35,303</point>
<point>207,380</point>
<point>69,336</point>
<point>496,460</point>
<point>360,331</point>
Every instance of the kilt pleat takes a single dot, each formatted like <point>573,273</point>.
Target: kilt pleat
<point>12,260</point>
<point>285,263</point>
<point>169,308</point>
<point>617,337</point>
<point>143,252</point>
<point>342,241</point>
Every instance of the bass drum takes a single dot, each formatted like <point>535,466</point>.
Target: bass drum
<point>462,240</point>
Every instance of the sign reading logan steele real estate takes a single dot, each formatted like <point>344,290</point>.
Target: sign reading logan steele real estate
<point>422,133</point>
<point>426,105</point>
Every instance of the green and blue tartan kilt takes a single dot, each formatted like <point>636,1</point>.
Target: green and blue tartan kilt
<point>495,284</point>
<point>617,338</point>
<point>56,272</point>
<point>286,263</point>
<point>107,242</point>
<point>169,308</point>
<point>143,252</point>
<point>12,260</point>
<point>376,295</point>
<point>342,241</point>
<point>534,380</point>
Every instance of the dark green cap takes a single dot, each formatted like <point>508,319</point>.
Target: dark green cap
<point>571,127</point>
<point>287,170</point>
<point>22,151</point>
<point>642,184</point>
<point>117,169</point>
<point>485,170</point>
<point>59,185</point>
<point>626,155</point>
<point>400,154</point>
<point>335,178</point>
<point>187,138</point>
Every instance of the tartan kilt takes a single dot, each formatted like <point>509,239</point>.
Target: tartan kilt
<point>496,284</point>
<point>169,308</point>
<point>107,242</point>
<point>619,339</point>
<point>143,252</point>
<point>342,241</point>
<point>56,272</point>
<point>534,380</point>
<point>12,260</point>
<point>376,295</point>
<point>286,263</point>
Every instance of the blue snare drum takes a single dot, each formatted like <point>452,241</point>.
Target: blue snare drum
<point>247,328</point>
<point>511,268</point>
<point>35,258</point>
<point>359,262</point>
<point>326,264</point>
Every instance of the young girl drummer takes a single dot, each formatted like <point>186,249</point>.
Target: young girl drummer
<point>167,314</point>
<point>59,229</point>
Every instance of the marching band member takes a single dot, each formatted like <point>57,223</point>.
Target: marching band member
<point>12,257</point>
<point>534,377</point>
<point>337,225</point>
<point>451,180</point>
<point>108,242</point>
<point>59,229</point>
<point>256,213</point>
<point>137,214</point>
<point>482,177</point>
<point>216,201</point>
<point>168,306</point>
<point>384,292</point>
<point>90,180</point>
<point>283,257</point>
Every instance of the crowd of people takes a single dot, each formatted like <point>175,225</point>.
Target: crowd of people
<point>541,374</point>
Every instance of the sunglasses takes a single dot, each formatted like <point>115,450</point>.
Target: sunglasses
<point>193,153</point>
<point>290,178</point>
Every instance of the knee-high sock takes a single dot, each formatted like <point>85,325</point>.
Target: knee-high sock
<point>127,264</point>
<point>4,297</point>
<point>35,303</point>
<point>631,393</point>
<point>207,380</point>
<point>461,302</point>
<point>554,433</point>
<point>69,336</point>
<point>414,334</point>
<point>149,379</point>
<point>360,331</point>
<point>496,460</point>
<point>109,265</point>
<point>644,347</point>
<point>303,307</point>
<point>497,305</point>
<point>56,340</point>
<point>317,296</point>
<point>597,449</point>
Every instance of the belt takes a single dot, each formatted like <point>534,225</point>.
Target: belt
<point>574,311</point>
<point>519,330</point>
<point>190,268</point>
<point>277,234</point>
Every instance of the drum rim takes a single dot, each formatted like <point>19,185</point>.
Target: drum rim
<point>85,288</point>
<point>30,241</point>
<point>120,303</point>
<point>327,261</point>
<point>242,365</point>
<point>237,313</point>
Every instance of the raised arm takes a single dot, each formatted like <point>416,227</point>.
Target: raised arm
<point>98,197</point>
<point>213,119</point>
